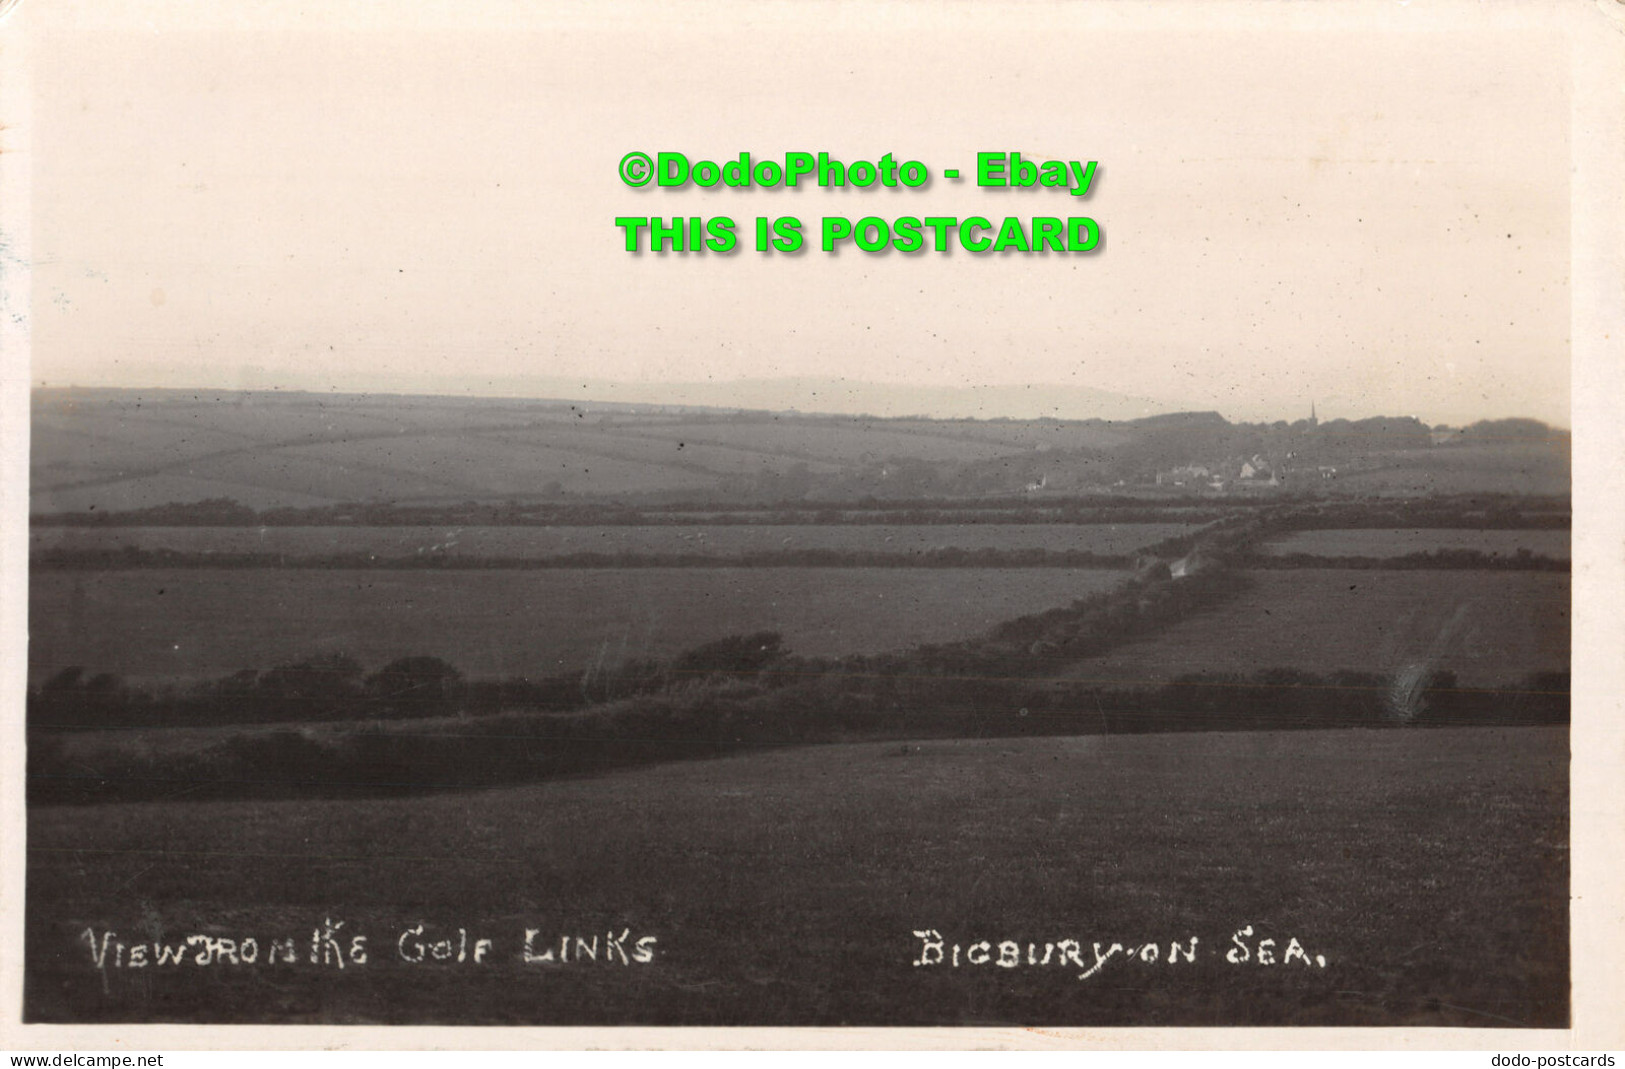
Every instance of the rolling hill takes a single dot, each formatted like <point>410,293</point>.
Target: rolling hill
<point>117,450</point>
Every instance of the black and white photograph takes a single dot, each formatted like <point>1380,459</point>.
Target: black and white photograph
<point>804,515</point>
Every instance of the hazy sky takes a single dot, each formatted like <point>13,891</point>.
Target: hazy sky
<point>1373,217</point>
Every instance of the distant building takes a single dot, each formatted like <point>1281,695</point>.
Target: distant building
<point>1259,470</point>
<point>1184,475</point>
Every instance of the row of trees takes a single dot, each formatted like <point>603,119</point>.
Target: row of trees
<point>949,506</point>
<point>325,687</point>
<point>929,510</point>
<point>721,716</point>
<point>1478,512</point>
<point>335,687</point>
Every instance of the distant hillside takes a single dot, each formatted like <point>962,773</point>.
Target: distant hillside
<point>115,450</point>
<point>847,397</point>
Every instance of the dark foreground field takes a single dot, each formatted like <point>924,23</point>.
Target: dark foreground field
<point>1429,870</point>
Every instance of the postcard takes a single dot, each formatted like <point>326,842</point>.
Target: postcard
<point>1012,518</point>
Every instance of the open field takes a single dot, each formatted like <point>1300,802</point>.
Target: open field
<point>1515,468</point>
<point>1106,539</point>
<point>1488,628</point>
<point>1428,868</point>
<point>1400,542</point>
<point>1032,434</point>
<point>132,450</point>
<point>179,624</point>
<point>857,440</point>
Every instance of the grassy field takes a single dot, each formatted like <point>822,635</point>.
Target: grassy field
<point>476,466</point>
<point>1428,868</point>
<point>1516,468</point>
<point>178,624</point>
<point>1487,627</point>
<point>135,450</point>
<point>852,440</point>
<point>699,540</point>
<point>1395,542</point>
<point>1035,434</point>
<point>642,443</point>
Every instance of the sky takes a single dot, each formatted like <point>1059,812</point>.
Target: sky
<point>1368,212</point>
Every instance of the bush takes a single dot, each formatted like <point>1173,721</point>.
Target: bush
<point>735,655</point>
<point>415,687</point>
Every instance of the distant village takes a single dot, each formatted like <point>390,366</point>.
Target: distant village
<point>1303,454</point>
